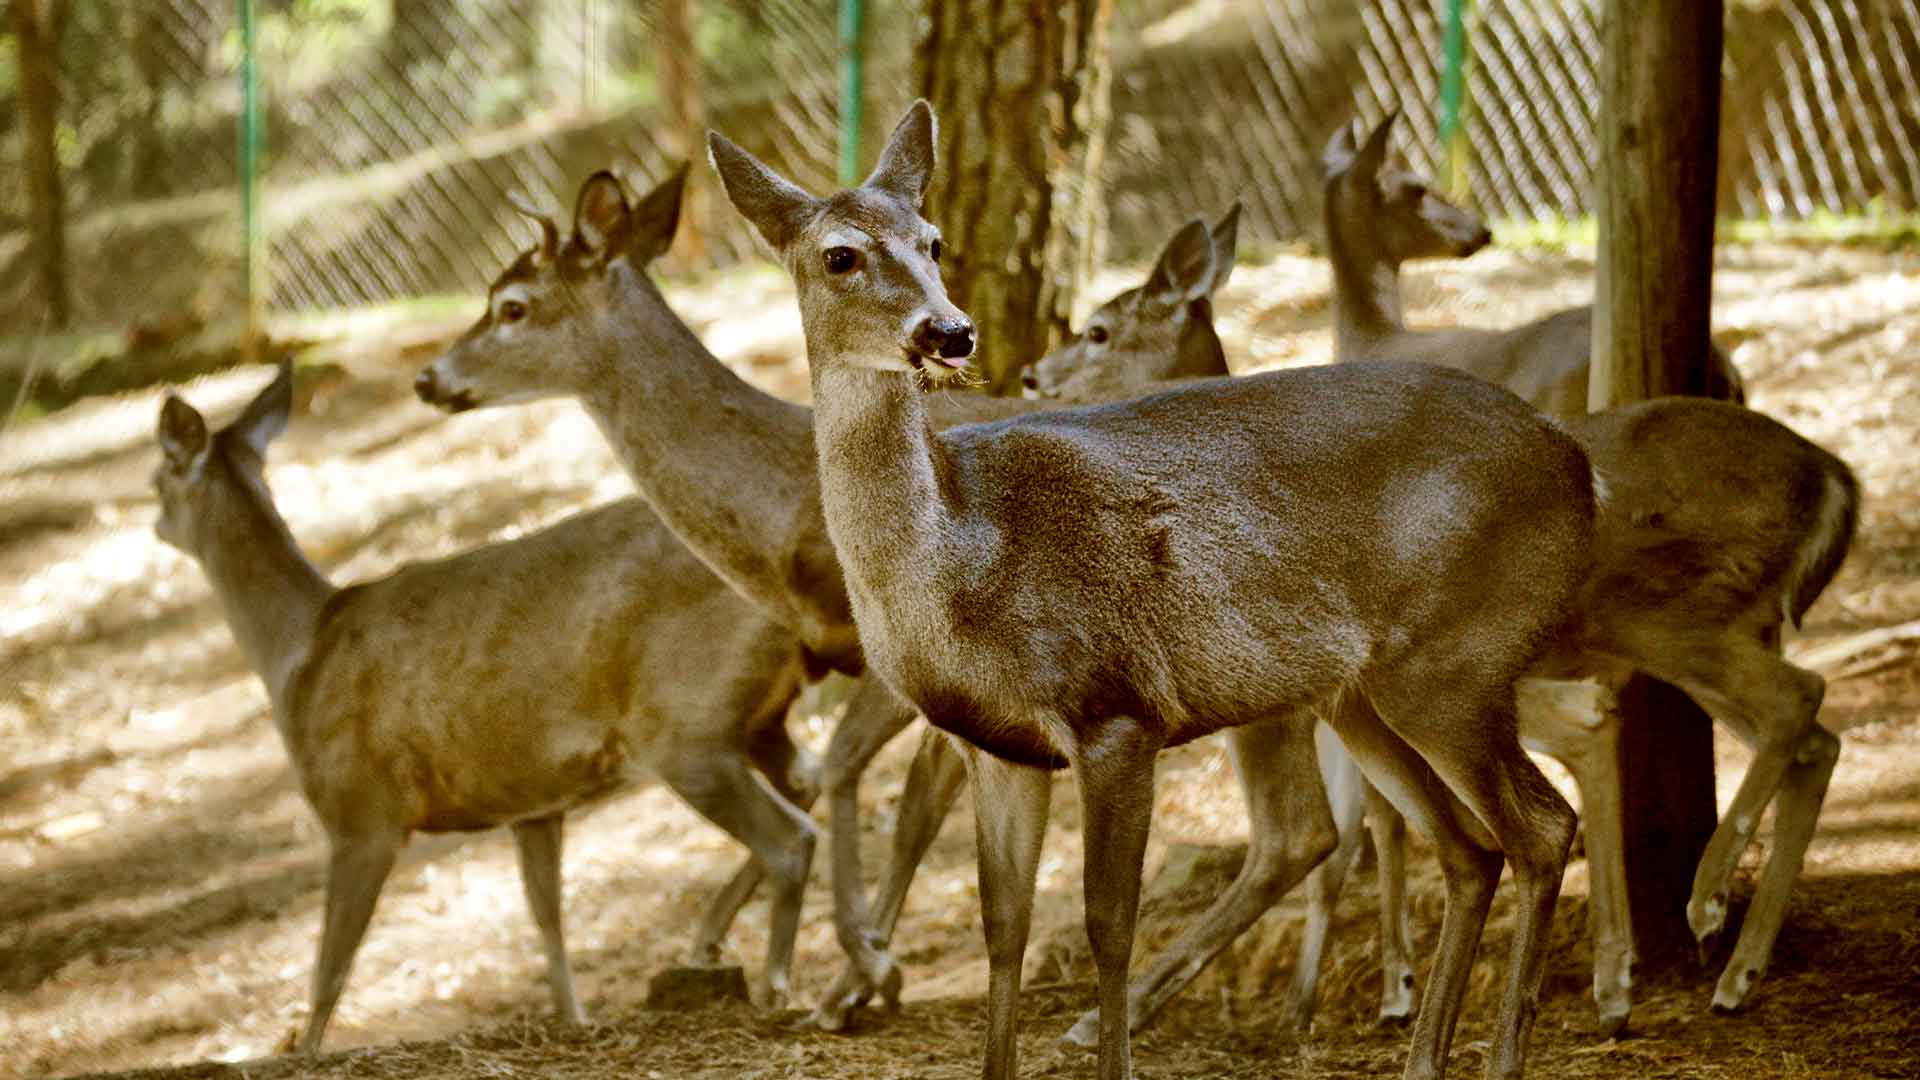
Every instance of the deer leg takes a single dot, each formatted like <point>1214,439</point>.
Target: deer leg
<point>539,842</point>
<point>1396,929</point>
<point>795,774</point>
<point>1469,862</point>
<point>1009,821</point>
<point>722,787</point>
<point>1290,831</point>
<point>1345,788</point>
<point>356,871</point>
<point>874,716</point>
<point>1115,776</point>
<point>934,783</point>
<point>1578,725</point>
<point>1802,792</point>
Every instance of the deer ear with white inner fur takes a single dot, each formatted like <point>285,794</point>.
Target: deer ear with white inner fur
<point>906,165</point>
<point>1337,158</point>
<point>776,206</point>
<point>183,434</point>
<point>1184,271</point>
<point>266,415</point>
<point>1373,153</point>
<point>600,214</point>
<point>656,217</point>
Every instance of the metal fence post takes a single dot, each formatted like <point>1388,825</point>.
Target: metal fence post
<point>1453,97</point>
<point>852,88</point>
<point>252,133</point>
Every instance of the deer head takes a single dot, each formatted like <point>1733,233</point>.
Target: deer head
<point>1386,208</point>
<point>865,263</point>
<point>201,475</point>
<point>533,341</point>
<point>1161,329</point>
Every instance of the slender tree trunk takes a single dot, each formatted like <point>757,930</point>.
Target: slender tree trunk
<point>147,45</point>
<point>1660,138</point>
<point>679,68</point>
<point>36,30</point>
<point>1021,89</point>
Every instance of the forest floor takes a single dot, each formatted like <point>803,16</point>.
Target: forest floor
<point>160,878</point>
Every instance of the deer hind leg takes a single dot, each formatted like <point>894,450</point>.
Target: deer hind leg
<point>1346,792</point>
<point>1469,862</point>
<point>1290,832</point>
<point>874,716</point>
<point>1009,821</point>
<point>1389,831</point>
<point>539,843</point>
<point>934,783</point>
<point>357,869</point>
<point>1578,725</point>
<point>795,774</point>
<point>723,788</point>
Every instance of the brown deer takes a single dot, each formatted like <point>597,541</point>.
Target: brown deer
<point>502,686</point>
<point>1771,516</point>
<point>1087,586</point>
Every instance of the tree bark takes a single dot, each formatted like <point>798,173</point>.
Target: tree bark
<point>1021,90</point>
<point>36,30</point>
<point>679,68</point>
<point>1659,145</point>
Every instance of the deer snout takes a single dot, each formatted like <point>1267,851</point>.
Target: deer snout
<point>427,387</point>
<point>948,337</point>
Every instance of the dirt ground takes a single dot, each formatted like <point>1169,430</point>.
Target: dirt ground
<point>160,879</point>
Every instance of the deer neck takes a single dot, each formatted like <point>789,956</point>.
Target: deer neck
<point>886,484</point>
<point>1366,291</point>
<point>728,467</point>
<point>272,595</point>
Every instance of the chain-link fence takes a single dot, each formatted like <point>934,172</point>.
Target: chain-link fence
<point>396,128</point>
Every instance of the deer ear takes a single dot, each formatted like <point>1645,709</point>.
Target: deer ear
<point>600,215</point>
<point>776,206</point>
<point>183,434</point>
<point>266,415</point>
<point>656,217</point>
<point>1337,158</point>
<point>1225,235</point>
<point>1374,153</point>
<point>1185,268</point>
<point>906,165</point>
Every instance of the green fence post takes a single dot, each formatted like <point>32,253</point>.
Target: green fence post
<point>852,88</point>
<point>1453,97</point>
<point>252,134</point>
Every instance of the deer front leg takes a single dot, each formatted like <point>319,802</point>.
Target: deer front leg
<point>1009,821</point>
<point>795,774</point>
<point>874,716</point>
<point>357,869</point>
<point>539,843</point>
<point>934,783</point>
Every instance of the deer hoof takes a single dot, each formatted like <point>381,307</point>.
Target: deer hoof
<point>890,984</point>
<point>1706,916</point>
<point>1731,995</point>
<point>1085,1031</point>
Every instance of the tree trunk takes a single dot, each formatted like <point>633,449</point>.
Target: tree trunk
<point>679,68</point>
<point>1659,144</point>
<point>148,45</point>
<point>36,29</point>
<point>1021,91</point>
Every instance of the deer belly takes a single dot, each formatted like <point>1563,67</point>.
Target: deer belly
<point>516,781</point>
<point>958,714</point>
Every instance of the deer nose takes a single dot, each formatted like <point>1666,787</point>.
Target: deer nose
<point>1028,379</point>
<point>946,336</point>
<point>425,386</point>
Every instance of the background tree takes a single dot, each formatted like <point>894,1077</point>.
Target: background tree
<point>1021,90</point>
<point>1659,147</point>
<point>36,26</point>
<point>679,80</point>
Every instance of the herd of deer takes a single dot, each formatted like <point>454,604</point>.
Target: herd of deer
<point>1381,579</point>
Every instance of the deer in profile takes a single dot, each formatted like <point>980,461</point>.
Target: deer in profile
<point>1721,526</point>
<point>503,686</point>
<point>1085,587</point>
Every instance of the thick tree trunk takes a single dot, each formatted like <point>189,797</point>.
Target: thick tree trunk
<point>679,68</point>
<point>1660,137</point>
<point>1021,90</point>
<point>36,30</point>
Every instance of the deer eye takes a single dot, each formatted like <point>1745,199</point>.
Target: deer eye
<point>841,260</point>
<point>1097,334</point>
<point>512,311</point>
<point>934,249</point>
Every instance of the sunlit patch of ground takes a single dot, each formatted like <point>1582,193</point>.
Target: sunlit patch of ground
<point>160,878</point>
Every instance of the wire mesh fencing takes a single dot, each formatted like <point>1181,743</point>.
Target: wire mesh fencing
<point>395,129</point>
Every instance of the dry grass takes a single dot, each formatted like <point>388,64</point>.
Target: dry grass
<point>161,885</point>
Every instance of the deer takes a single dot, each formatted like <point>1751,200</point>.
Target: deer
<point>1084,587</point>
<point>1772,513</point>
<point>502,686</point>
